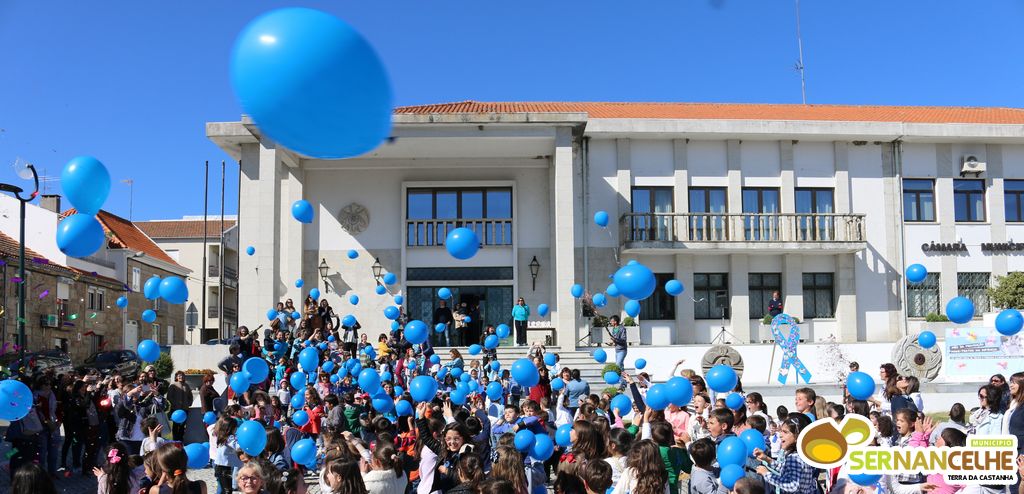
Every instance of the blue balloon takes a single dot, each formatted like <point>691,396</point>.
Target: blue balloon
<point>80,235</point>
<point>179,416</point>
<point>440,327</point>
<point>622,404</point>
<point>390,278</point>
<point>304,451</point>
<point>15,400</point>
<point>302,211</point>
<point>462,243</point>
<point>353,299</point>
<point>635,281</point>
<point>353,254</point>
<point>495,391</point>
<point>657,397</point>
<point>381,290</point>
<point>524,440</point>
<point>391,312</point>
<point>385,376</point>
<point>298,400</point>
<point>444,293</point>
<point>298,381</point>
<point>611,377</point>
<point>865,479</point>
<point>349,320</point>
<point>612,290</point>
<point>563,435</point>
<point>148,350</point>
<point>491,342</point>
<point>960,310</point>
<point>461,386</point>
<point>122,301</point>
<point>542,448</point>
<point>753,439</point>
<point>416,332</point>
<point>399,300</point>
<point>495,365</point>
<point>576,290</point>
<point>251,437</point>
<point>474,349</point>
<point>550,359</point>
<point>369,380</point>
<point>525,372</point>
<point>239,382</point>
<point>173,290</point>
<point>1009,322</point>
<point>680,391</point>
<point>557,384</point>
<point>600,355</point>
<point>299,283</point>
<point>198,456</point>
<point>916,273</point>
<point>152,288</point>
<point>860,385</point>
<point>465,377</point>
<point>86,184</point>
<point>456,372</point>
<point>734,401</point>
<point>315,293</point>
<point>601,219</point>
<point>542,310</point>
<point>731,451</point>
<point>632,308</point>
<point>458,397</point>
<point>467,319</point>
<point>383,403</point>
<point>503,331</point>
<point>296,316</point>
<point>640,363</point>
<point>730,475</point>
<point>209,418</point>
<point>434,359</point>
<point>423,388</point>
<point>300,418</point>
<point>599,300</point>
<point>271,314</point>
<point>721,378</point>
<point>312,83</point>
<point>403,408</point>
<point>673,287</point>
<point>926,339</point>
<point>257,369</point>
<point>250,250</point>
<point>309,359</point>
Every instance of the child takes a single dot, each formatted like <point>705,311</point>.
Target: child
<point>697,427</point>
<point>702,477</point>
<point>905,428</point>
<point>676,459</point>
<point>619,442</point>
<point>720,423</point>
<point>223,446</point>
<point>598,477</point>
<point>746,485</point>
<point>793,475</point>
<point>315,410</point>
<point>117,473</point>
<point>645,473</point>
<point>804,401</point>
<point>152,428</point>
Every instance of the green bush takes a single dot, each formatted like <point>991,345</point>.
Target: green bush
<point>1008,292</point>
<point>629,321</point>
<point>599,321</point>
<point>164,366</point>
<point>933,317</point>
<point>767,320</point>
<point>611,391</point>
<point>611,367</point>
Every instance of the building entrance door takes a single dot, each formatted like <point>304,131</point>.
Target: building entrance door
<point>485,305</point>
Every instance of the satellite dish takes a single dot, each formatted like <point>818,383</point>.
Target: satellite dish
<point>23,169</point>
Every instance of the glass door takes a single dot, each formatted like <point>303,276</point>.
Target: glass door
<point>814,220</point>
<point>760,208</point>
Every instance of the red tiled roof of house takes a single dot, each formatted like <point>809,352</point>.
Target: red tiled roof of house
<point>738,111</point>
<point>123,234</point>
<point>182,228</point>
<point>9,248</point>
<point>9,245</point>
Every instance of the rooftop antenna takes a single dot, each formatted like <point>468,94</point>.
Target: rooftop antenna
<point>131,195</point>
<point>800,61</point>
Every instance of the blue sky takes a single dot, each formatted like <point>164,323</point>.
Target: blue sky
<point>133,83</point>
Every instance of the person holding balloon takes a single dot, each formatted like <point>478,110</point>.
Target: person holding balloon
<point>789,474</point>
<point>617,332</point>
<point>179,395</point>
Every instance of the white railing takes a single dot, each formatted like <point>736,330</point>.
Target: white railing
<point>430,233</point>
<point>743,227</point>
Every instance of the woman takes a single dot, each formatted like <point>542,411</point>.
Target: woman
<point>520,315</point>
<point>645,471</point>
<point>543,388</point>
<point>456,360</point>
<point>251,479</point>
<point>587,445</point>
<point>909,394</point>
<point>1013,420</point>
<point>207,394</point>
<point>887,373</point>
<point>179,394</point>
<point>988,419</point>
<point>174,467</point>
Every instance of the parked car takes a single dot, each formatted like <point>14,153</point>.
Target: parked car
<point>217,342</point>
<point>126,362</point>
<point>39,362</point>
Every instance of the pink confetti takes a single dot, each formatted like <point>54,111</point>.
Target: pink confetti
<point>15,280</point>
<point>44,294</point>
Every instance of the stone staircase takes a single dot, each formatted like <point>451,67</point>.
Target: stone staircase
<point>590,369</point>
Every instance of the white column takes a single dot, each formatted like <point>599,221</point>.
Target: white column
<point>787,193</point>
<point>684,304</point>
<point>846,300</point>
<point>292,236</point>
<point>564,247</point>
<point>793,285</point>
<point>259,216</point>
<point>997,205</point>
<point>739,296</point>
<point>947,219</point>
<point>842,195</point>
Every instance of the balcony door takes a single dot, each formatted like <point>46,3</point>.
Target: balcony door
<point>707,214</point>
<point>648,224</point>
<point>760,213</point>
<point>431,213</point>
<point>814,220</point>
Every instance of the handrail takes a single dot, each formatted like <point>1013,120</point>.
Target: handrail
<point>432,232</point>
<point>741,227</point>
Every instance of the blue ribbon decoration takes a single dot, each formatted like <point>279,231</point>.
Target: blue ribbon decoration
<point>788,343</point>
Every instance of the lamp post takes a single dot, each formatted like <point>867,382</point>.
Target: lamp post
<point>29,171</point>
<point>324,268</point>
<point>377,269</point>
<point>534,269</point>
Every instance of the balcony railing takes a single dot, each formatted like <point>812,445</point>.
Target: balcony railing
<point>229,272</point>
<point>430,233</point>
<point>743,227</point>
<point>230,313</point>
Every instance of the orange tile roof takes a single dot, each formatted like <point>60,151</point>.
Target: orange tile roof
<point>9,245</point>
<point>9,248</point>
<point>183,228</point>
<point>738,111</point>
<point>123,234</point>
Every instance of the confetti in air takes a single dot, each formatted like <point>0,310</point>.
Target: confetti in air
<point>72,317</point>
<point>44,294</point>
<point>15,280</point>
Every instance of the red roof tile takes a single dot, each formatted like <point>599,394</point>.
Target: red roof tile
<point>123,234</point>
<point>9,245</point>
<point>738,111</point>
<point>182,228</point>
<point>9,248</point>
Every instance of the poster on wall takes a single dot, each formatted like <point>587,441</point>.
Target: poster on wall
<point>978,353</point>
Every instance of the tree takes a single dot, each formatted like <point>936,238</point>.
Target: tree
<point>1008,291</point>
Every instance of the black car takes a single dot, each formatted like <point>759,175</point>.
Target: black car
<point>126,362</point>
<point>39,362</point>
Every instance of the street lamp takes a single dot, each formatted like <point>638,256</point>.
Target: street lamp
<point>377,269</point>
<point>324,268</point>
<point>534,269</point>
<point>27,172</point>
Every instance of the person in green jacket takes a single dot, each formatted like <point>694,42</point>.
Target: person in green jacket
<point>520,313</point>
<point>353,410</point>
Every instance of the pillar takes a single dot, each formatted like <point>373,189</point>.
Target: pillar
<point>739,296</point>
<point>564,246</point>
<point>793,285</point>
<point>846,300</point>
<point>684,304</point>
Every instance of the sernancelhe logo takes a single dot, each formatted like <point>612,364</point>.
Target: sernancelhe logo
<point>985,460</point>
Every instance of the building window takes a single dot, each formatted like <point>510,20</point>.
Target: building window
<point>814,208</point>
<point>708,291</point>
<point>918,200</point>
<point>136,279</point>
<point>487,211</point>
<point>975,287</point>
<point>62,312</point>
<point>158,304</point>
<point>1014,200</point>
<point>923,297</point>
<point>660,305</point>
<point>156,333</point>
<point>95,300</point>
<point>969,200</point>
<point>818,295</point>
<point>646,223</point>
<point>762,285</point>
<point>707,214</point>
<point>761,208</point>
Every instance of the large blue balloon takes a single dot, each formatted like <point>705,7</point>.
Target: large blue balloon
<point>524,440</point>
<point>300,418</point>
<point>462,243</point>
<point>383,403</point>
<point>730,475</point>
<point>599,300</point>
<point>257,369</point>
<point>298,399</point>
<point>122,302</point>
<point>503,331</point>
<point>860,385</point>
<point>632,308</point>
<point>635,281</point>
<point>299,283</point>
<point>80,235</point>
<point>423,388</point>
<point>298,381</point>
<point>179,416</point>
<point>865,479</point>
<point>721,378</point>
<point>349,320</point>
<point>611,377</point>
<point>542,447</point>
<point>271,314</point>
<point>315,293</point>
<point>550,358</point>
<point>399,300</point>
<point>416,332</point>
<point>403,408</point>
<point>198,456</point>
<point>525,372</point>
<point>641,363</point>
<point>612,290</point>
<point>563,435</point>
<point>491,342</point>
<point>673,287</point>
<point>474,349</point>
<point>312,83</point>
<point>601,219</point>
<point>600,356</point>
<point>557,384</point>
<point>15,400</point>
<point>148,350</point>
<point>353,299</point>
<point>495,391</point>
<point>86,184</point>
<point>210,418</point>
<point>444,293</point>
<point>622,403</point>
<point>381,289</point>
<point>459,397</point>
<point>309,358</point>
<point>752,439</point>
<point>173,290</point>
<point>926,339</point>
<point>960,310</point>
<point>390,279</point>
<point>680,391</point>
<point>369,380</point>
<point>391,312</point>
<point>302,211</point>
<point>239,382</point>
<point>152,288</point>
<point>657,397</point>
<point>304,451</point>
<point>916,273</point>
<point>731,451</point>
<point>1009,322</point>
<point>542,310</point>
<point>576,290</point>
<point>734,401</point>
<point>251,437</point>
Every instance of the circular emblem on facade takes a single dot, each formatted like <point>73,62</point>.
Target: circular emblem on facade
<point>911,359</point>
<point>354,218</point>
<point>722,354</point>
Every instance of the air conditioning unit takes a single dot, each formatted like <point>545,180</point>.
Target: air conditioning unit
<point>970,164</point>
<point>49,321</point>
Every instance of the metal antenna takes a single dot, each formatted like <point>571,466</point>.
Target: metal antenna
<point>800,61</point>
<point>131,195</point>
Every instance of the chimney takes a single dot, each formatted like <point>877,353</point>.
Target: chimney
<point>50,202</point>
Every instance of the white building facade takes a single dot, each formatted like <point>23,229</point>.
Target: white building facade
<point>826,204</point>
